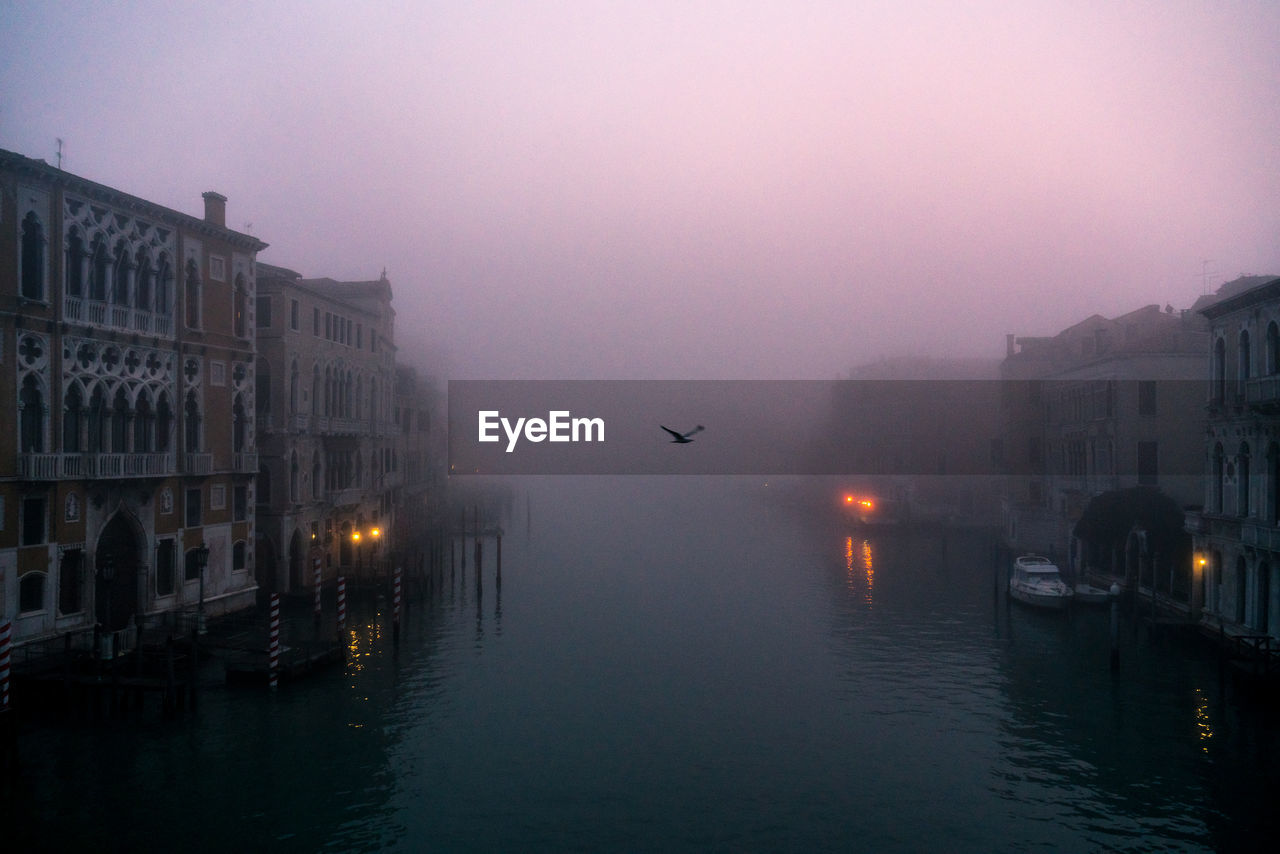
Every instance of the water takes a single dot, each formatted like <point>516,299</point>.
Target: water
<point>688,664</point>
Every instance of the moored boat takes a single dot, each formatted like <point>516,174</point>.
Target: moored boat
<point>1090,595</point>
<point>1036,581</point>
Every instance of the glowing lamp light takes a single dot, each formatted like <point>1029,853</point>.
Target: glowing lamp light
<point>355,536</point>
<point>376,533</point>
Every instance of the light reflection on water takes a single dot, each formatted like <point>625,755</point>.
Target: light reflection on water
<point>685,665</point>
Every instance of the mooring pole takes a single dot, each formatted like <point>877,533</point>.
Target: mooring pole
<point>1115,626</point>
<point>315,563</point>
<point>395,608</point>
<point>273,646</point>
<point>498,579</point>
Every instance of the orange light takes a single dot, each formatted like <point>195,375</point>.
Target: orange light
<point>355,536</point>
<point>867,503</point>
<point>848,499</point>
<point>376,533</point>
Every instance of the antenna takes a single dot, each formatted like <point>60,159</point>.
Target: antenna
<point>59,139</point>
<point>1204,275</point>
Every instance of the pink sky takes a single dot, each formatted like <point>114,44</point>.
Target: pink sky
<point>689,190</point>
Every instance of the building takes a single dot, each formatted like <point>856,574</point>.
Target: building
<point>331,460</point>
<point>124,327</point>
<point>1105,405</point>
<point>1237,531</point>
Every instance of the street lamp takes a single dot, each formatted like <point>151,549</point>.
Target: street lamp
<point>355,538</point>
<point>373,550</point>
<point>202,561</point>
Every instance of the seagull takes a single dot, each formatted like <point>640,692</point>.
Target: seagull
<point>683,438</point>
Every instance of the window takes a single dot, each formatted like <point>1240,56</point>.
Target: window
<point>71,508</point>
<point>32,257</point>
<point>217,268</point>
<point>191,566</point>
<point>1148,463</point>
<point>194,514</point>
<point>1242,481</point>
<point>238,557</point>
<point>315,322</point>
<point>31,593</point>
<point>70,581</point>
<point>33,520</point>
<point>192,424</point>
<point>164,567</point>
<point>293,314</point>
<point>240,503</point>
<point>1246,356</point>
<point>359,335</point>
<point>31,417</point>
<point>328,326</point>
<point>264,313</point>
<point>191,294</point>
<point>1147,397</point>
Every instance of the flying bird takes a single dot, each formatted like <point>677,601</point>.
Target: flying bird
<point>683,438</point>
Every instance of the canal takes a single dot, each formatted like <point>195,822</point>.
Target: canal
<point>691,664</point>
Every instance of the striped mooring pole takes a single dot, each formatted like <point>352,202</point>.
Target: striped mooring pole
<point>342,602</point>
<point>274,645</point>
<point>6,632</point>
<point>395,608</point>
<point>315,563</point>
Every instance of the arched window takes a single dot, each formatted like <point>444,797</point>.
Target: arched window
<point>315,389</point>
<point>72,404</point>
<point>1246,357</point>
<point>262,387</point>
<point>328,390</point>
<point>98,420</point>
<point>1242,572</point>
<point>238,427</point>
<point>1219,474</point>
<point>1273,483</point>
<point>31,592</point>
<point>1218,377</point>
<point>238,305</point>
<point>75,264</point>
<point>99,270</point>
<point>164,424</point>
<point>164,286</point>
<point>144,280</point>
<point>238,556</point>
<point>317,476</point>
<point>264,484</point>
<point>31,417</point>
<point>191,434</point>
<point>359,397</point>
<point>293,388</point>
<point>119,422</point>
<point>191,294</point>
<point>293,477</point>
<point>120,275</point>
<point>1242,480</point>
<point>144,426</point>
<point>32,257</point>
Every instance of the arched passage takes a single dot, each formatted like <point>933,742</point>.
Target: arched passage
<point>118,566</point>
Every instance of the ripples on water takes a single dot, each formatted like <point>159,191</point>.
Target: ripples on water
<point>687,663</point>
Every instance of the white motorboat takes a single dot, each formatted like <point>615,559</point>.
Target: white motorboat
<point>1036,581</point>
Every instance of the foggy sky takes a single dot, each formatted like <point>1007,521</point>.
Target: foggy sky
<point>672,190</point>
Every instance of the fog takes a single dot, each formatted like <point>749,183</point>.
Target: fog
<point>688,191</point>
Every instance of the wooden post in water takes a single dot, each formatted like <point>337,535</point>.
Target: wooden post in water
<point>463,529</point>
<point>273,643</point>
<point>315,562</point>
<point>479,565</point>
<point>342,603</point>
<point>1115,626</point>
<point>395,608</point>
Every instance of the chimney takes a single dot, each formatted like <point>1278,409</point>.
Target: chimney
<point>215,209</point>
<point>1008,344</point>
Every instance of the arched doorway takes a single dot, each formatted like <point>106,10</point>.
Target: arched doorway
<point>118,564</point>
<point>296,556</point>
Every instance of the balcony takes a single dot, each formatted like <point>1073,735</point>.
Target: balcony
<point>245,463</point>
<point>344,497</point>
<point>74,466</point>
<point>299,422</point>
<point>1260,535</point>
<point>199,463</point>
<point>1262,391</point>
<point>123,317</point>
